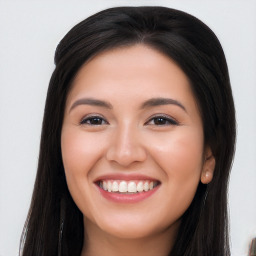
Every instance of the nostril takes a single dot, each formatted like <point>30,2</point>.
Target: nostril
<point>126,155</point>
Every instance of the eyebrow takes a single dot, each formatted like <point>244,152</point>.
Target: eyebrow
<point>161,101</point>
<point>149,103</point>
<point>91,101</point>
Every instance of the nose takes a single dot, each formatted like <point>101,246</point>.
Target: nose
<point>126,147</point>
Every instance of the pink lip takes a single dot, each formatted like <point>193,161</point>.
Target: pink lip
<point>126,198</point>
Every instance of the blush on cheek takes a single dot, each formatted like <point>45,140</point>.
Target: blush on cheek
<point>181,160</point>
<point>78,152</point>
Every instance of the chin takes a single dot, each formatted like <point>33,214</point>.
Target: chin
<point>130,232</point>
<point>135,227</point>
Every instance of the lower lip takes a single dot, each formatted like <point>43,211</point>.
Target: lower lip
<point>127,198</point>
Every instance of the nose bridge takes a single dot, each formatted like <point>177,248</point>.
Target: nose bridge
<point>126,145</point>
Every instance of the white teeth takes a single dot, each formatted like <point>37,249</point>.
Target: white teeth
<point>115,186</point>
<point>132,186</point>
<point>146,186</point>
<point>123,187</point>
<point>127,187</point>
<point>105,185</point>
<point>140,186</point>
<point>109,185</point>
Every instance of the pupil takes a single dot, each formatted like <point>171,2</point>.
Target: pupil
<point>96,121</point>
<point>160,121</point>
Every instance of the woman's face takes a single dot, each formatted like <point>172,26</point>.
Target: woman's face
<point>132,143</point>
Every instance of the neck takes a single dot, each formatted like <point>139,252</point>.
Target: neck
<point>98,242</point>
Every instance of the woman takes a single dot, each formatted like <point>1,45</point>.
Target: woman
<point>137,140</point>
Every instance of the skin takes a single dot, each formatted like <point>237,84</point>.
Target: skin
<point>128,139</point>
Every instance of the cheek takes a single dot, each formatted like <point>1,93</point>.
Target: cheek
<point>79,151</point>
<point>180,158</point>
<point>79,155</point>
<point>180,154</point>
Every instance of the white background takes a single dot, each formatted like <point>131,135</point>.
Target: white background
<point>29,34</point>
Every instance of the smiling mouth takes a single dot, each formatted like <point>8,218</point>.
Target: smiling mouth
<point>127,187</point>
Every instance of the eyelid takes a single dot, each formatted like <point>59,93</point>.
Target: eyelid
<point>170,119</point>
<point>91,116</point>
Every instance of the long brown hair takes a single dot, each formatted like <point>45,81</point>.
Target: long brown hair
<point>54,223</point>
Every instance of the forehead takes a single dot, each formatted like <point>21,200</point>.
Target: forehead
<point>128,77</point>
<point>136,67</point>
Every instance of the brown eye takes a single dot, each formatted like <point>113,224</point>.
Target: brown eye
<point>93,120</point>
<point>161,121</point>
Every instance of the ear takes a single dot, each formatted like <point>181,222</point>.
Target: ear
<point>208,166</point>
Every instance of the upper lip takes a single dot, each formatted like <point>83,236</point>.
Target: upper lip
<point>125,177</point>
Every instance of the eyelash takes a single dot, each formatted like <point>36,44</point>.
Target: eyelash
<point>166,120</point>
<point>91,118</point>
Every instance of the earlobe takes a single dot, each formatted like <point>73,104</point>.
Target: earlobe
<point>208,167</point>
